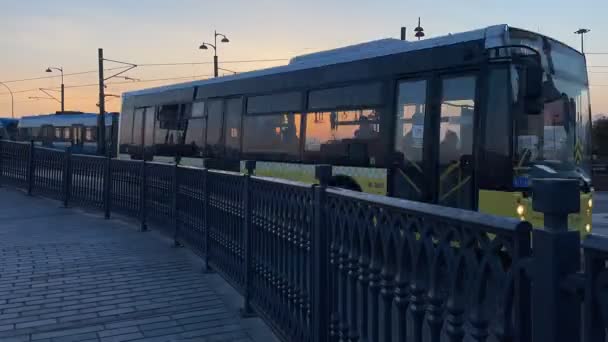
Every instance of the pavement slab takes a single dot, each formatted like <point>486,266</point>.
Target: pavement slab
<point>70,275</point>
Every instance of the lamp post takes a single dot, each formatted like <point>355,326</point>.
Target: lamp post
<point>50,69</point>
<point>419,30</point>
<point>12,100</point>
<point>205,46</point>
<point>582,32</point>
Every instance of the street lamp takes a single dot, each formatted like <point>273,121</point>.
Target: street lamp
<point>419,30</point>
<point>50,69</point>
<point>205,46</point>
<point>582,32</point>
<point>12,100</point>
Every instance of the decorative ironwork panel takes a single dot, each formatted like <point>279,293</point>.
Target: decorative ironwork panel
<point>86,174</point>
<point>14,163</point>
<point>595,314</point>
<point>281,223</point>
<point>159,190</point>
<point>126,183</point>
<point>190,208</point>
<point>49,172</point>
<point>407,271</point>
<point>226,225</point>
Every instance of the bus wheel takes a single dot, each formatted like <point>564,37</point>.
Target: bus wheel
<point>344,182</point>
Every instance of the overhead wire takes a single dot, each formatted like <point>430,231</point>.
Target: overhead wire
<point>139,65</point>
<point>55,76</point>
<point>117,83</point>
<point>208,63</point>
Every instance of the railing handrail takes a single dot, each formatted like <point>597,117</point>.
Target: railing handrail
<point>228,173</point>
<point>189,167</point>
<point>92,156</point>
<point>488,222</point>
<point>596,243</point>
<point>281,181</point>
<point>127,161</point>
<point>159,163</point>
<point>15,142</point>
<point>41,148</point>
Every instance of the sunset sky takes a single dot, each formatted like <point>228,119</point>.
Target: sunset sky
<point>40,33</point>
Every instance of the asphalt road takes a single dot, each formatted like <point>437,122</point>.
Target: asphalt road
<point>600,213</point>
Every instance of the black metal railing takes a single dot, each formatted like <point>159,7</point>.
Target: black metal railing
<point>159,190</point>
<point>280,224</point>
<point>86,174</point>
<point>50,165</point>
<point>190,197</point>
<point>326,264</point>
<point>15,163</point>
<point>125,187</point>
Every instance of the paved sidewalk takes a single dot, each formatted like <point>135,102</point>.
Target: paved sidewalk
<point>68,275</point>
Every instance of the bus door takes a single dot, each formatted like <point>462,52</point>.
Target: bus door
<point>453,135</point>
<point>143,132</point>
<point>148,133</point>
<point>410,176</point>
<point>46,136</point>
<point>78,135</point>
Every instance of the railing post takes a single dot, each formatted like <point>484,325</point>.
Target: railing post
<point>320,259</point>
<point>555,311</point>
<point>522,286</point>
<point>107,182</point>
<point>247,311</point>
<point>174,209</point>
<point>142,197</point>
<point>593,307</point>
<point>30,168</point>
<point>206,220</point>
<point>67,176</point>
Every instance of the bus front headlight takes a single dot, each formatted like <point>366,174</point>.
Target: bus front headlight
<point>590,203</point>
<point>588,228</point>
<point>520,210</point>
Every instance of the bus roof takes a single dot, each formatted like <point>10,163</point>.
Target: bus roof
<point>62,120</point>
<point>493,35</point>
<point>7,121</point>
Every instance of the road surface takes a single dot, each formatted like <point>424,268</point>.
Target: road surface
<point>600,213</point>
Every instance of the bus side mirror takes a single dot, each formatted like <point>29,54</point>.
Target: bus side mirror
<point>533,90</point>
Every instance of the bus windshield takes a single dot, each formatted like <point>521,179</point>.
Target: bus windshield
<point>556,142</point>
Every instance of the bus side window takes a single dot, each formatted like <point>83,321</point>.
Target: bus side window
<point>234,108</point>
<point>497,130</point>
<point>78,134</point>
<point>272,135</point>
<point>169,121</point>
<point>66,133</point>
<point>148,136</point>
<point>196,129</point>
<point>346,136</point>
<point>410,120</point>
<point>89,134</point>
<point>126,127</point>
<point>214,127</point>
